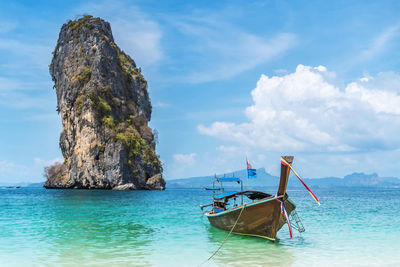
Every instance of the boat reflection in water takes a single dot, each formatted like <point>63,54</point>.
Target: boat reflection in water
<point>253,213</point>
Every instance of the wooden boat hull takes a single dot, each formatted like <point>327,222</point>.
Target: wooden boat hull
<point>262,218</point>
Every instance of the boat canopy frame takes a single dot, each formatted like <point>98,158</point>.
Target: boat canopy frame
<point>221,180</point>
<point>251,194</point>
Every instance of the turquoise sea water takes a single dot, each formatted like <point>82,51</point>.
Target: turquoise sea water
<point>41,227</point>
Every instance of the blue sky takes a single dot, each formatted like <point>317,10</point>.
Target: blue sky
<point>227,79</point>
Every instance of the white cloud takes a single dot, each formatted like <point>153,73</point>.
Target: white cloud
<point>303,111</point>
<point>24,95</point>
<point>261,158</point>
<point>44,162</point>
<point>184,159</point>
<point>248,52</point>
<point>6,84</point>
<point>40,117</point>
<point>160,104</point>
<point>224,49</point>
<point>134,31</point>
<point>228,149</point>
<point>7,26</point>
<point>140,39</point>
<point>9,171</point>
<point>26,54</point>
<point>280,71</point>
<point>24,78</point>
<point>379,42</point>
<point>6,166</point>
<point>390,81</point>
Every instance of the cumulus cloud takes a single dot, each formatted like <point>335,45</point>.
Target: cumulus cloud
<point>304,111</point>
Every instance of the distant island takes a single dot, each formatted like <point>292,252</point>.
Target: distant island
<point>265,179</point>
<point>105,109</point>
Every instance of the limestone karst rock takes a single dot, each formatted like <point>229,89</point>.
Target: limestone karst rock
<point>105,109</point>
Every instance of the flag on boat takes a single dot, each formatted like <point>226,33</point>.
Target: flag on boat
<point>251,173</point>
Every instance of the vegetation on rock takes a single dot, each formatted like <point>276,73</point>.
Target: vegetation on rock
<point>78,103</point>
<point>84,76</point>
<point>76,25</point>
<point>54,172</point>
<point>137,146</point>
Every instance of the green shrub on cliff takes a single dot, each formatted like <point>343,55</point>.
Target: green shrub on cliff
<point>76,25</point>
<point>150,157</point>
<point>124,132</point>
<point>101,107</point>
<point>104,108</point>
<point>131,139</point>
<point>125,62</point>
<point>78,103</point>
<point>137,146</point>
<point>84,76</point>
<point>128,68</point>
<point>108,122</point>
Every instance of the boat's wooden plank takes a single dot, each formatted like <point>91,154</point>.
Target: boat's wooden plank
<point>257,220</point>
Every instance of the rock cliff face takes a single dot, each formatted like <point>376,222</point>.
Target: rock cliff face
<point>105,109</point>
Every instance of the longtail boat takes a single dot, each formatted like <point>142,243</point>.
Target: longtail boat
<point>260,214</point>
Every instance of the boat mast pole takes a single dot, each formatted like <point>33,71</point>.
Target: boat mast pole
<point>285,170</point>
<point>247,175</point>
<point>241,189</point>
<point>215,177</point>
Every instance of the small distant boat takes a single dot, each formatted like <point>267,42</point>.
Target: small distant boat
<point>262,216</point>
<point>14,186</point>
<point>213,189</point>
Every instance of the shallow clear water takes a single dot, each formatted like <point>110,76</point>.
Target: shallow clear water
<point>132,228</point>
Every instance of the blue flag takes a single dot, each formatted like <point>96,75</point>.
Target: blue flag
<point>251,173</point>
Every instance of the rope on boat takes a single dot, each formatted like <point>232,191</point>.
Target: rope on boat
<point>226,238</point>
<point>284,162</point>
<point>284,212</point>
